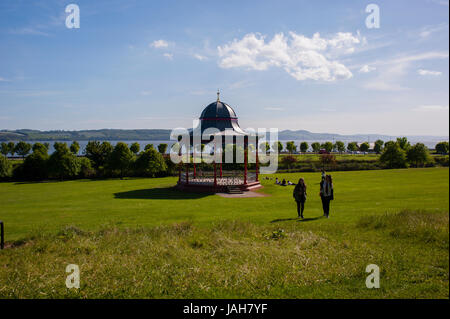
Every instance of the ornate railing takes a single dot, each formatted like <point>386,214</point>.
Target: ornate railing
<point>227,178</point>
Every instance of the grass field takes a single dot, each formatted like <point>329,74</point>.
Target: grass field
<point>140,238</point>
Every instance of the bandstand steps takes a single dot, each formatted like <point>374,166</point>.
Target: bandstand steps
<point>234,190</point>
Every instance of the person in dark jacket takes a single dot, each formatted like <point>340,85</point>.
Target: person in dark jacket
<point>326,194</point>
<point>300,196</point>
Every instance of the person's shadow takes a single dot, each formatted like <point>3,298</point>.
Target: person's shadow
<point>297,219</point>
<point>159,193</point>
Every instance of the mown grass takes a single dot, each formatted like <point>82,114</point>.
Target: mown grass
<point>91,204</point>
<point>138,238</point>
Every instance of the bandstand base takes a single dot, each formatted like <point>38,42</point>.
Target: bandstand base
<point>216,189</point>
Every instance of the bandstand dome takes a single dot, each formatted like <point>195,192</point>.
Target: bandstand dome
<point>220,116</point>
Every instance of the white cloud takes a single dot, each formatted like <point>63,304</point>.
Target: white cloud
<point>269,108</point>
<point>4,80</point>
<point>168,56</point>
<point>29,31</point>
<point>418,57</point>
<point>367,68</point>
<point>146,93</point>
<point>302,57</point>
<point>200,57</point>
<point>240,84</point>
<point>426,31</point>
<point>431,108</point>
<point>159,44</point>
<point>428,72</point>
<point>391,71</point>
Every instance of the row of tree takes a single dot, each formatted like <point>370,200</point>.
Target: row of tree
<point>401,153</point>
<point>339,146</point>
<point>101,159</point>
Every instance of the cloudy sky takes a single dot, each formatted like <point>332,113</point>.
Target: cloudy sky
<point>312,65</point>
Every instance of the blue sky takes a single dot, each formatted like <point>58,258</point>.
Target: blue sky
<point>310,65</point>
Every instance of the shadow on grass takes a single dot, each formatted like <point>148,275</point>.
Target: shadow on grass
<point>160,193</point>
<point>296,218</point>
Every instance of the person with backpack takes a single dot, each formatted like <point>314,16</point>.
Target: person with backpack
<point>300,196</point>
<point>326,194</point>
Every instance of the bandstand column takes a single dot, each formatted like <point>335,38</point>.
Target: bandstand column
<point>245,163</point>
<point>180,165</point>
<point>220,170</point>
<point>215,175</point>
<point>257,167</point>
<point>187,173</point>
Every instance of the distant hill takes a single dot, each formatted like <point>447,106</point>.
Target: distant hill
<point>164,134</point>
<point>85,135</point>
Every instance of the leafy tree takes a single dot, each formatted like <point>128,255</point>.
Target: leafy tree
<point>378,147</point>
<point>289,160</point>
<point>121,158</point>
<point>4,148</point>
<point>43,148</point>
<point>86,169</point>
<point>327,160</point>
<point>148,146</point>
<point>364,147</point>
<point>304,147</point>
<point>418,154</point>
<point>291,147</point>
<point>75,147</point>
<point>328,146</point>
<point>352,146</point>
<point>36,165</point>
<point>22,148</point>
<point>63,163</point>
<point>98,153</point>
<point>316,147</point>
<point>162,148</point>
<point>389,144</point>
<point>12,148</point>
<point>278,146</point>
<point>151,163</point>
<point>393,156</point>
<point>403,143</point>
<point>135,148</point>
<point>339,146</point>
<point>442,148</point>
<point>5,167</point>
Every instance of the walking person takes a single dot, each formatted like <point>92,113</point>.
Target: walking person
<point>300,196</point>
<point>326,194</point>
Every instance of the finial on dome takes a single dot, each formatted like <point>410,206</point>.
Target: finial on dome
<point>218,93</point>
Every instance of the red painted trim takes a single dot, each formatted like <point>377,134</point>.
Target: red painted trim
<point>245,165</point>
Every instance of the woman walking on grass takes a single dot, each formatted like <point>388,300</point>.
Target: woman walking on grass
<point>326,194</point>
<point>300,196</point>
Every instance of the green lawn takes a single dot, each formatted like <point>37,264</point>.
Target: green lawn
<point>140,238</point>
<point>25,207</point>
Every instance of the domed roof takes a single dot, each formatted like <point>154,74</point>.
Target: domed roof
<point>218,109</point>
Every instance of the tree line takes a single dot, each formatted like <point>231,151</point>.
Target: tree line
<point>101,159</point>
<point>340,147</point>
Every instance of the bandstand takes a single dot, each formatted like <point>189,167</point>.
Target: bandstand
<point>222,119</point>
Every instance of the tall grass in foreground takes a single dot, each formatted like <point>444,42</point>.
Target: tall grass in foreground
<point>233,259</point>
